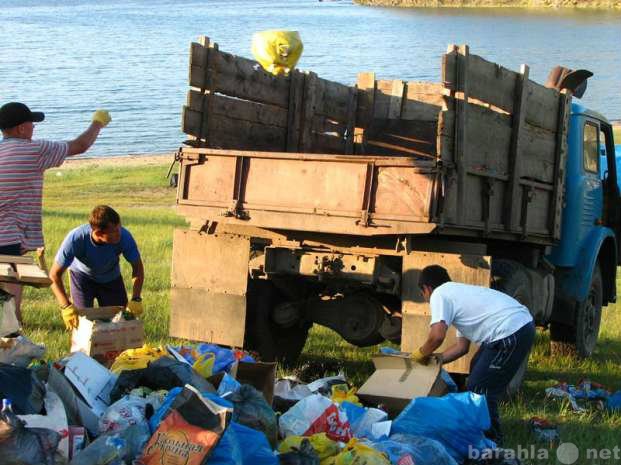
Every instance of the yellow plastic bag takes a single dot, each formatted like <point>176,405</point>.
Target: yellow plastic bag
<point>135,359</point>
<point>204,364</point>
<point>358,453</point>
<point>325,447</point>
<point>342,393</point>
<point>277,51</point>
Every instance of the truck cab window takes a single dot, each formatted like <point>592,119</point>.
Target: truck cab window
<point>591,149</point>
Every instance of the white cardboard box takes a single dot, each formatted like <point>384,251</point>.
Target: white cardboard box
<point>105,340</point>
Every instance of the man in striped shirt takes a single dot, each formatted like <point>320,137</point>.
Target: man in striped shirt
<point>22,163</point>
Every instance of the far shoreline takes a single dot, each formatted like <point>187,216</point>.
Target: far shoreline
<point>534,5</point>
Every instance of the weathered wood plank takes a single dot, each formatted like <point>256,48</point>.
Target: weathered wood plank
<point>271,115</point>
<point>237,134</point>
<point>542,106</point>
<point>364,110</point>
<point>351,120</point>
<point>308,112</point>
<point>32,274</point>
<point>487,81</point>
<point>402,138</point>
<point>332,99</point>
<point>564,113</point>
<point>512,213</point>
<point>294,111</point>
<point>236,76</point>
<point>7,271</point>
<point>24,259</point>
<point>537,154</point>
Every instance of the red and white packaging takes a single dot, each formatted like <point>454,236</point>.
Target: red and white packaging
<point>316,414</point>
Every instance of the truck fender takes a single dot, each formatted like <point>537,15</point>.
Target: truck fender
<point>600,243</point>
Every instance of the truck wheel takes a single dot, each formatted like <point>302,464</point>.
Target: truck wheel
<point>509,277</point>
<point>581,339</point>
<point>262,334</point>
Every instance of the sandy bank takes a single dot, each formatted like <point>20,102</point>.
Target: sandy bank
<point>600,4</point>
<point>121,160</point>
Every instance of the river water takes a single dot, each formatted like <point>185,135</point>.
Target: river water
<point>68,57</point>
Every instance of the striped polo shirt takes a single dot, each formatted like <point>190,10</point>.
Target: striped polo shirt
<point>22,163</point>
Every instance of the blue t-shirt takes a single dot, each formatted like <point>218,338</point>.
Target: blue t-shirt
<point>100,262</point>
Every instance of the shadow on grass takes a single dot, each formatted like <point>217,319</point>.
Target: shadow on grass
<point>311,367</point>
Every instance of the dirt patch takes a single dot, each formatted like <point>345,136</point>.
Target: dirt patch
<point>145,159</point>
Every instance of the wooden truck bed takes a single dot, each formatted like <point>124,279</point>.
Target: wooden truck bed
<point>480,154</point>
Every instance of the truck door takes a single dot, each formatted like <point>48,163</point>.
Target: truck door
<point>610,179</point>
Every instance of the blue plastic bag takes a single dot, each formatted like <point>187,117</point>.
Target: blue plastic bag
<point>614,401</point>
<point>241,445</point>
<point>228,386</point>
<point>456,420</point>
<point>225,358</point>
<point>404,448</point>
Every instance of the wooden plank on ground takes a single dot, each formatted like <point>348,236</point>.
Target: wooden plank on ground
<point>487,81</point>
<point>32,274</point>
<point>24,259</point>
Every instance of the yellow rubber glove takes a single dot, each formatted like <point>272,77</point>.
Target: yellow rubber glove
<point>135,308</point>
<point>102,117</point>
<point>70,317</point>
<point>418,357</point>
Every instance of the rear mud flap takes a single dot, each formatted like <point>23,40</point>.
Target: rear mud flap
<point>469,269</point>
<point>209,281</point>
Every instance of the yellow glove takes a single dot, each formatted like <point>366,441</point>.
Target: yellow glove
<point>135,307</point>
<point>70,317</point>
<point>102,117</point>
<point>418,357</point>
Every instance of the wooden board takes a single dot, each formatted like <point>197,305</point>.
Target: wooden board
<point>7,271</point>
<point>24,259</point>
<point>32,274</point>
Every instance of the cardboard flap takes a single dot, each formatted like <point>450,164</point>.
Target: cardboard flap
<point>398,379</point>
<point>99,313</point>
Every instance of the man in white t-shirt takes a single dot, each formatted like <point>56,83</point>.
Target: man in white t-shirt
<point>503,328</point>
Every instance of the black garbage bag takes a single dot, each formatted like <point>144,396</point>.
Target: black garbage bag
<point>26,446</point>
<point>305,455</point>
<point>22,386</point>
<point>252,410</point>
<point>164,373</point>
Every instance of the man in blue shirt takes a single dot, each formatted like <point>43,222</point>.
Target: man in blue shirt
<point>91,252</point>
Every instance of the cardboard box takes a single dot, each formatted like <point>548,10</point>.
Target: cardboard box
<point>103,339</point>
<point>261,375</point>
<point>55,419</point>
<point>397,380</point>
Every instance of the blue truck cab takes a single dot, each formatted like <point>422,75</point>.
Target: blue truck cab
<point>586,257</point>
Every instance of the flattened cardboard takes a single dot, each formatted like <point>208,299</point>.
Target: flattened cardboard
<point>261,375</point>
<point>93,381</point>
<point>78,411</point>
<point>105,340</point>
<point>397,380</point>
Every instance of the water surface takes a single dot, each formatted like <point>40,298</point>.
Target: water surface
<point>68,57</point>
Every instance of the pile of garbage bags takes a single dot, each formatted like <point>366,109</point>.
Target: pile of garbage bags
<point>194,405</point>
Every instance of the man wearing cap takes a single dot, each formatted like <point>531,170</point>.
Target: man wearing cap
<point>22,163</point>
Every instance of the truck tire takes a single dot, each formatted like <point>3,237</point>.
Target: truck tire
<point>581,338</point>
<point>263,335</point>
<point>510,278</point>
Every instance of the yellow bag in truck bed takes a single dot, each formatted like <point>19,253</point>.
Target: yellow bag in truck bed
<point>277,51</point>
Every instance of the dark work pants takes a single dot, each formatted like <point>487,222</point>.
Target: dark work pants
<point>85,290</point>
<point>494,366</point>
<point>11,249</point>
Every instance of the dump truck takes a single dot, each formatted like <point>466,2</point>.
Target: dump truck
<point>313,202</point>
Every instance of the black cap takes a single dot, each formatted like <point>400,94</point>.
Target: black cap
<point>14,113</point>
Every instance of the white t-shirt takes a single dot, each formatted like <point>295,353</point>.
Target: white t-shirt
<point>480,314</point>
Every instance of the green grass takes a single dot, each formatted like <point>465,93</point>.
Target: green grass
<point>146,205</point>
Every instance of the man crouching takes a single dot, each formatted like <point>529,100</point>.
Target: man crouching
<point>91,252</point>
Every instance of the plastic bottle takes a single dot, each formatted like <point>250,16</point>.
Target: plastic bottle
<point>7,406</point>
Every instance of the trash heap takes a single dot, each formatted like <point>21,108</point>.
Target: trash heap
<point>205,404</point>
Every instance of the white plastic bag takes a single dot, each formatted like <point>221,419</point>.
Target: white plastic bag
<point>128,411</point>
<point>316,414</point>
<point>20,351</point>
